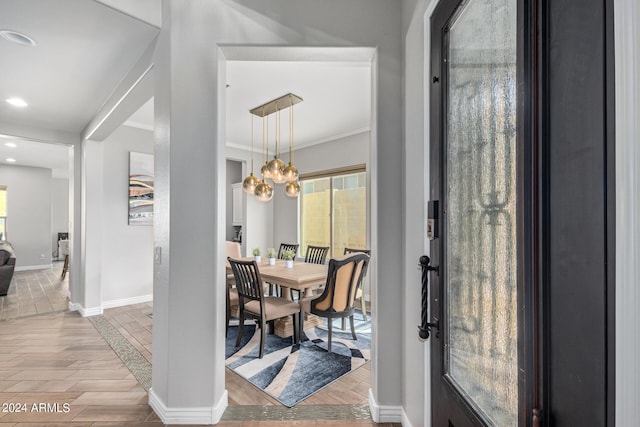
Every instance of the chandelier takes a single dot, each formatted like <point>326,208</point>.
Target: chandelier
<point>274,169</point>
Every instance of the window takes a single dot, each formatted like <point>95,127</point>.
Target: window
<point>333,210</point>
<point>3,212</point>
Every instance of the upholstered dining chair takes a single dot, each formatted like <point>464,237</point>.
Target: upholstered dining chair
<point>360,294</point>
<point>344,277</point>
<point>234,251</point>
<point>283,247</point>
<point>255,305</point>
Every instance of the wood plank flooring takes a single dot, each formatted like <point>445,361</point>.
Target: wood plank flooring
<point>58,361</point>
<point>35,292</point>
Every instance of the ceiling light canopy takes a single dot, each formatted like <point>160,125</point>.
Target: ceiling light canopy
<point>17,102</point>
<point>17,38</point>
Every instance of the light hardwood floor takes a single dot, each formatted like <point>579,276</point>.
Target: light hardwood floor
<point>35,292</point>
<point>59,359</point>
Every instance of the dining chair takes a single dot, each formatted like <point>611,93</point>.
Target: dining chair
<point>360,294</point>
<point>233,250</point>
<point>255,305</point>
<point>283,247</point>
<point>316,254</point>
<point>287,246</point>
<point>344,277</point>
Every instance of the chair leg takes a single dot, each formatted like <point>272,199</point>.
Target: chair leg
<point>330,321</point>
<point>300,324</point>
<point>65,267</point>
<point>240,327</point>
<point>344,324</point>
<point>262,340</point>
<point>353,329</point>
<point>364,307</point>
<point>226,331</point>
<point>296,328</point>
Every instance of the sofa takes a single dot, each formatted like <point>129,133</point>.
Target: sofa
<point>7,265</point>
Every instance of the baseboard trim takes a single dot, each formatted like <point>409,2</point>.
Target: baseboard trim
<point>201,415</point>
<point>34,267</point>
<point>384,413</point>
<point>85,312</point>
<point>405,420</point>
<point>127,301</point>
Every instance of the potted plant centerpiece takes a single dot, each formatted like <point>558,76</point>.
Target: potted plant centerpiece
<point>288,256</point>
<point>271,254</point>
<point>256,255</point>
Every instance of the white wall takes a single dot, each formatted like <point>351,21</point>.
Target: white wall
<point>257,230</point>
<point>127,250</point>
<point>627,69</point>
<point>59,211</point>
<point>28,214</point>
<point>416,396</point>
<point>187,60</point>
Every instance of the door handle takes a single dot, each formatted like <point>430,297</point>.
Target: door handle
<point>425,326</point>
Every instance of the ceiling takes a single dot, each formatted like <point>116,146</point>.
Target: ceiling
<point>84,49</point>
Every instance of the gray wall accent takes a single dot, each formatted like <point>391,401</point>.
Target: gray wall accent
<point>234,175</point>
<point>59,211</point>
<point>28,214</point>
<point>131,245</point>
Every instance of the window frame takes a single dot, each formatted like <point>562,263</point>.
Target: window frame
<point>3,237</point>
<point>330,173</point>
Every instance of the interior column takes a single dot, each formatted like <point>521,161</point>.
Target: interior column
<point>188,313</point>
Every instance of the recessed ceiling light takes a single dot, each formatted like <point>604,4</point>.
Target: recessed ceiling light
<point>11,144</point>
<point>18,38</point>
<point>10,160</point>
<point>17,102</point>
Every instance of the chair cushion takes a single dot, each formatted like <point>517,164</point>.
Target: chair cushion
<point>305,303</point>
<point>274,307</point>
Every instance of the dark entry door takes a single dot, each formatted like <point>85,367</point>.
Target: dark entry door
<point>475,177</point>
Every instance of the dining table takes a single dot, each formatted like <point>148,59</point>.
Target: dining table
<point>302,276</point>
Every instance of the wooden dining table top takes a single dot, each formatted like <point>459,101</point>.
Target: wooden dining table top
<point>301,276</point>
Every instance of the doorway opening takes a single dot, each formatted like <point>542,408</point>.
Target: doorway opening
<point>333,131</point>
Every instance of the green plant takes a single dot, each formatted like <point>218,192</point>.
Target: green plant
<point>271,253</point>
<point>288,255</point>
<point>256,251</point>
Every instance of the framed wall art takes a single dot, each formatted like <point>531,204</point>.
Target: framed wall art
<point>140,188</point>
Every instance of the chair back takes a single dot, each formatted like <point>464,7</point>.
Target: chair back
<point>354,250</point>
<point>348,251</point>
<point>286,247</point>
<point>233,249</point>
<point>344,277</point>
<point>248,280</point>
<point>316,254</point>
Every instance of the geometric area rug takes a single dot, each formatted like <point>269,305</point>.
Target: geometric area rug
<point>290,373</point>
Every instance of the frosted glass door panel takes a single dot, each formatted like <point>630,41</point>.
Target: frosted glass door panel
<point>480,211</point>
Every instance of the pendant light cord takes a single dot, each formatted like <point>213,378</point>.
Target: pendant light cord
<point>251,144</point>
